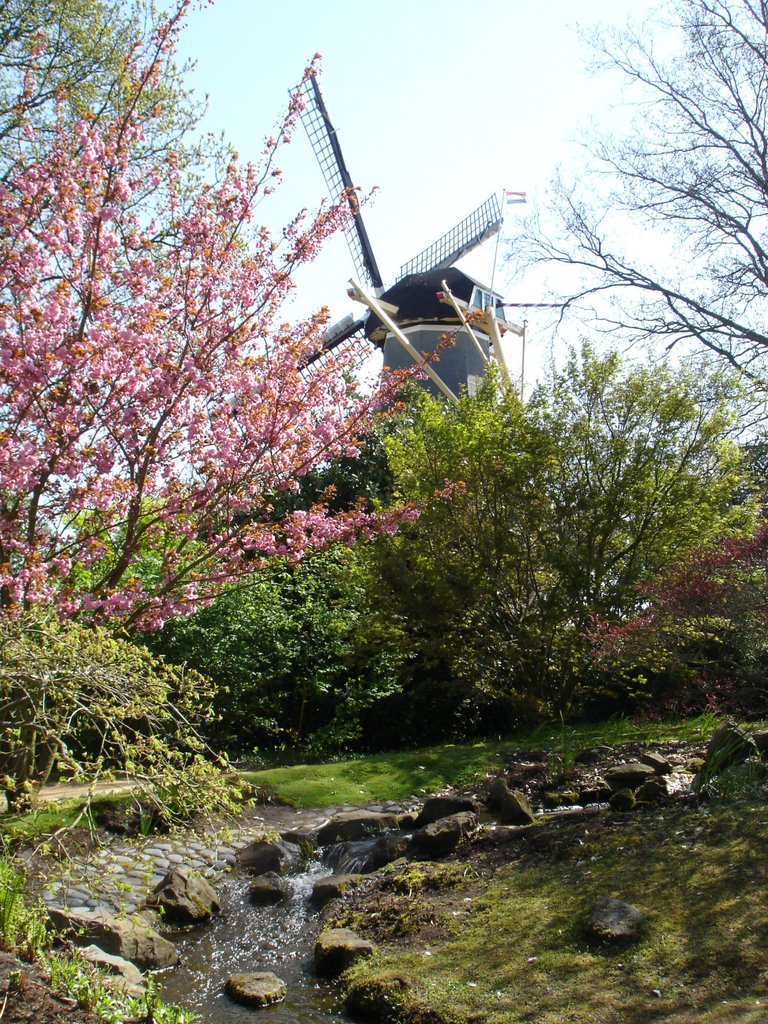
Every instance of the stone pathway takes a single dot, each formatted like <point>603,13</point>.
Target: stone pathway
<point>120,876</point>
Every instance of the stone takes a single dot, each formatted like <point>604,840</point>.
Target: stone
<point>185,897</point>
<point>437,807</point>
<point>130,938</point>
<point>352,825</point>
<point>332,886</point>
<point>613,920</point>
<point>262,856</point>
<point>120,974</point>
<point>497,791</point>
<point>728,745</point>
<point>600,793</point>
<point>593,755</point>
<point>337,949</point>
<point>515,809</point>
<point>652,791</point>
<point>268,888</point>
<point>760,739</point>
<point>623,800</point>
<point>443,836</point>
<point>256,988</point>
<point>658,762</point>
<point>379,998</point>
<point>629,775</point>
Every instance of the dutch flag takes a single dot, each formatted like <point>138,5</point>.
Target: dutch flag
<point>515,197</point>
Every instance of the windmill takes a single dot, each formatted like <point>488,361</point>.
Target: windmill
<point>430,297</point>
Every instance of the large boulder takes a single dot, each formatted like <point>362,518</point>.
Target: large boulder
<point>660,764</point>
<point>185,897</point>
<point>629,775</point>
<point>337,949</point>
<point>614,920</point>
<point>262,856</point>
<point>382,997</point>
<point>365,855</point>
<point>268,888</point>
<point>514,808</point>
<point>256,988</point>
<point>120,975</point>
<point>443,836</point>
<point>728,745</point>
<point>437,807</point>
<point>130,938</point>
<point>332,886</point>
<point>350,826</point>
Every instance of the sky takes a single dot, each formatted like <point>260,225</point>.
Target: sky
<point>436,105</point>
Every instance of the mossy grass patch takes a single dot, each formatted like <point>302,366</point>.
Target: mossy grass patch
<point>518,951</point>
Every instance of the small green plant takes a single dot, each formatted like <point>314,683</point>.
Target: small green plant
<point>22,928</point>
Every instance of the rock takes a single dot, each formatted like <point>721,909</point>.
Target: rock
<point>628,776</point>
<point>353,825</point>
<point>652,791</point>
<point>262,856</point>
<point>185,896</point>
<point>728,745</point>
<point>380,998</point>
<point>337,949</point>
<point>567,798</point>
<point>332,886</point>
<point>497,791</point>
<point>760,739</point>
<point>437,807</point>
<point>600,793</point>
<point>694,765</point>
<point>515,809</point>
<point>268,888</point>
<point>623,800</point>
<point>443,836</point>
<point>614,921</point>
<point>593,755</point>
<point>257,988</point>
<point>658,762</point>
<point>129,938</point>
<point>120,975</point>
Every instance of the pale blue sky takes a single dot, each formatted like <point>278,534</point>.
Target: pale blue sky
<point>436,103</point>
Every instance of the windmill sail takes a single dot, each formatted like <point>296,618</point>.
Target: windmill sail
<point>324,141</point>
<point>483,222</point>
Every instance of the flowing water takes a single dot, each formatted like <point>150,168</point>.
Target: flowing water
<point>247,937</point>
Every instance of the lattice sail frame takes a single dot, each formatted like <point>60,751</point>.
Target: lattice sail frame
<point>324,142</point>
<point>482,223</point>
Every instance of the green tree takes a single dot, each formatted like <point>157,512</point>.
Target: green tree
<point>556,511</point>
<point>80,700</point>
<point>298,655</point>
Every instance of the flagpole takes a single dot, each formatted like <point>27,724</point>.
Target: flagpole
<point>498,235</point>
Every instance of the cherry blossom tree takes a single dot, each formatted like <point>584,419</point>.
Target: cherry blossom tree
<point>153,402</point>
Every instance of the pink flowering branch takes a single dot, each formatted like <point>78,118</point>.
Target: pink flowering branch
<point>153,401</point>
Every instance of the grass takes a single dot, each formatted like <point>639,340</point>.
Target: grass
<point>48,818</point>
<point>519,953</point>
<point>397,776</point>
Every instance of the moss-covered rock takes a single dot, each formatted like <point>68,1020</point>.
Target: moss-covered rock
<point>257,988</point>
<point>382,997</point>
<point>337,949</point>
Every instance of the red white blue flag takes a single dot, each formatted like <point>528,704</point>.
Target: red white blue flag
<point>515,197</point>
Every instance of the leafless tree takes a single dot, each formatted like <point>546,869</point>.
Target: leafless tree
<point>679,238</point>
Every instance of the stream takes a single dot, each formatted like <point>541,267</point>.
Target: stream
<point>248,937</point>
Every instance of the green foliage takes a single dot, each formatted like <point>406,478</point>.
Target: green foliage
<point>22,928</point>
<point>557,510</point>
<point>81,701</point>
<point>297,655</point>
